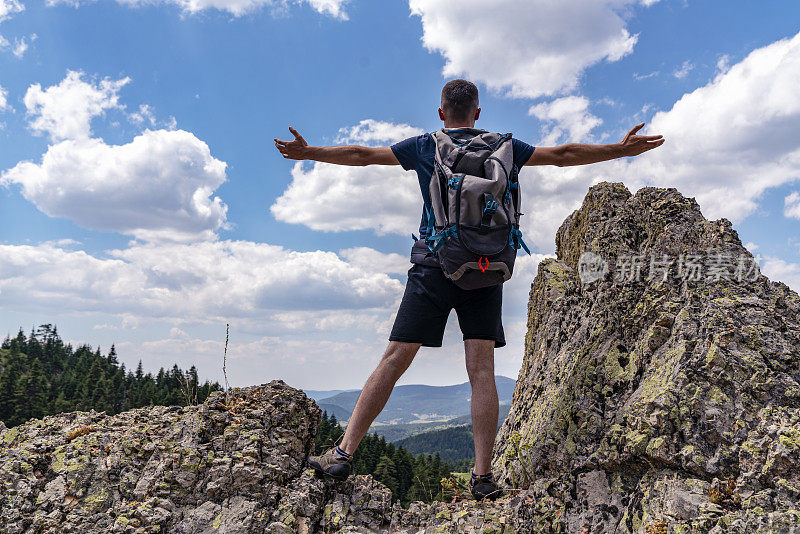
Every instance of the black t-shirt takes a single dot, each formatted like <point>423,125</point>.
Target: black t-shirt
<point>417,153</point>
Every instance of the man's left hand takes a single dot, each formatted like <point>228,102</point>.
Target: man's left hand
<point>633,144</point>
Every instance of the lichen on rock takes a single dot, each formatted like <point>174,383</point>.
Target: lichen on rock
<point>655,389</point>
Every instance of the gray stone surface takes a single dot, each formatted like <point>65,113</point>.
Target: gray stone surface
<point>665,386</point>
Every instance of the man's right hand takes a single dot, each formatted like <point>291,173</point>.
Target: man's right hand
<point>295,149</point>
<point>339,155</point>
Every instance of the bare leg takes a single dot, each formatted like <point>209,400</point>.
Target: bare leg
<point>484,404</point>
<point>376,391</point>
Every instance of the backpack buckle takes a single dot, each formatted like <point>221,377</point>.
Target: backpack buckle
<point>490,206</point>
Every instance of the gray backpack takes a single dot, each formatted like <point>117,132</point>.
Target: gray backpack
<point>473,222</point>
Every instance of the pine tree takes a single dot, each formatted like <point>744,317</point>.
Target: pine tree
<point>386,474</point>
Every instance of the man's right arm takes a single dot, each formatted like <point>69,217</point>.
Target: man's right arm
<point>354,155</point>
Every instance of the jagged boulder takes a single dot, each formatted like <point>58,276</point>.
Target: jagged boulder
<point>660,386</point>
<point>235,466</point>
<point>227,467</point>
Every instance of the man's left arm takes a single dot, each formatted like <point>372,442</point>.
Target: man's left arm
<point>582,154</point>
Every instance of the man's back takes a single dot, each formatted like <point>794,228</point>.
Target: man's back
<point>417,153</point>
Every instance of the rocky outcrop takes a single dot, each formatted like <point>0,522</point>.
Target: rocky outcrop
<point>646,403</point>
<point>203,468</point>
<point>660,387</point>
<point>234,466</point>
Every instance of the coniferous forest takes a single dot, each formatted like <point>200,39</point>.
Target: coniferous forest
<point>40,375</point>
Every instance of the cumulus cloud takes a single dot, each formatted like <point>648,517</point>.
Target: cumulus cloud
<point>201,282</point>
<point>792,205</point>
<point>369,258</point>
<point>335,198</point>
<point>525,49</point>
<point>370,132</point>
<point>65,111</point>
<point>726,143</point>
<point>730,140</point>
<point>566,117</point>
<point>237,8</point>
<point>549,194</point>
<point>158,186</point>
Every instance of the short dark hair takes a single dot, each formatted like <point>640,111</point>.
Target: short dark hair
<point>459,99</point>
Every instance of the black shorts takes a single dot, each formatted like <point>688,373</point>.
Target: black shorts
<point>427,302</point>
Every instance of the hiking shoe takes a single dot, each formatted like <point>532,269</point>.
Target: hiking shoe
<point>331,464</point>
<point>484,487</point>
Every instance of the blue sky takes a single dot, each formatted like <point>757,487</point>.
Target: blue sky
<point>142,202</point>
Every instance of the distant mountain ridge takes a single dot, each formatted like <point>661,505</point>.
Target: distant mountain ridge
<point>414,403</point>
<point>320,394</point>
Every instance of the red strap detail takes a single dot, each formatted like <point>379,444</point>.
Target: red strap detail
<point>481,266</point>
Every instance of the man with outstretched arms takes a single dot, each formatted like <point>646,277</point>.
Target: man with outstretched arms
<point>429,294</point>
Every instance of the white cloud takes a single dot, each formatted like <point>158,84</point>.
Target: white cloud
<point>4,105</point>
<point>526,49</point>
<point>684,70</point>
<point>369,258</point>
<point>373,133</point>
<point>207,282</point>
<point>143,116</point>
<point>723,63</point>
<point>335,198</point>
<point>65,111</point>
<point>332,8</point>
<point>782,271</point>
<point>9,8</point>
<point>21,46</point>
<point>729,141</point>
<point>568,117</point>
<point>158,186</point>
<point>549,194</point>
<point>792,205</point>
<point>726,143</point>
<point>300,306</point>
<point>639,77</point>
